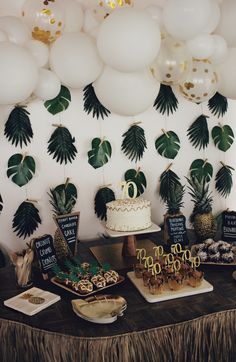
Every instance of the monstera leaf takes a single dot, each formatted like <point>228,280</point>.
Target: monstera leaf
<point>166,101</point>
<point>26,219</point>
<point>201,169</point>
<point>134,143</point>
<point>61,145</point>
<point>20,169</point>
<point>60,102</point>
<point>104,195</point>
<point>218,105</point>
<point>223,137</point>
<point>198,132</point>
<point>168,180</point>
<point>224,180</point>
<point>92,104</point>
<point>168,144</point>
<point>18,127</point>
<point>1,203</point>
<point>100,153</point>
<point>138,178</point>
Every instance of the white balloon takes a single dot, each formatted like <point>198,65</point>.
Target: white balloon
<point>156,14</point>
<point>226,27</point>
<point>74,58</point>
<point>73,16</point>
<point>92,20</point>
<point>214,18</point>
<point>128,40</point>
<point>145,3</point>
<point>226,71</point>
<point>48,85</point>
<point>3,36</point>
<point>126,94</point>
<point>202,46</point>
<point>39,51</point>
<point>15,29</point>
<point>18,73</point>
<point>184,19</point>
<point>11,7</point>
<point>220,51</point>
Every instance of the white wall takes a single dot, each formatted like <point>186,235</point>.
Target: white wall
<point>84,127</point>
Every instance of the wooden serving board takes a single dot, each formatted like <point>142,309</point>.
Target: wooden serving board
<point>168,294</point>
<point>63,286</point>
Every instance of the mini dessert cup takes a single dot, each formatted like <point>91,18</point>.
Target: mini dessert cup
<point>138,270</point>
<point>156,284</point>
<point>195,278</point>
<point>147,274</point>
<point>175,281</point>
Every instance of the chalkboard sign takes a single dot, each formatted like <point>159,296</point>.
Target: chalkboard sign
<point>68,226</point>
<point>229,226</point>
<point>45,252</point>
<point>176,229</point>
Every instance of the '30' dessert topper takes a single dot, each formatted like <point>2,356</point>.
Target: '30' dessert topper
<point>125,189</point>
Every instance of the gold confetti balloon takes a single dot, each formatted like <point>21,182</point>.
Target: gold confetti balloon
<point>172,63</point>
<point>115,3</point>
<point>201,82</point>
<point>45,19</point>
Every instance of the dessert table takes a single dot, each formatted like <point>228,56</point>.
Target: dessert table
<point>195,328</point>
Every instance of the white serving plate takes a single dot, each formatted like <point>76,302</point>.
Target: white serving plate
<point>116,234</point>
<point>168,294</point>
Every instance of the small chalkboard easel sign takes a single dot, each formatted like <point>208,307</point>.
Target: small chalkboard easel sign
<point>229,226</point>
<point>68,225</point>
<point>45,253</point>
<point>176,229</point>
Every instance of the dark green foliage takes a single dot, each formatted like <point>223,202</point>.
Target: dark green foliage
<point>103,196</point>
<point>20,169</point>
<point>166,101</point>
<point>18,128</point>
<point>63,198</point>
<point>224,180</point>
<point>134,143</point>
<point>60,103</point>
<point>218,105</point>
<point>168,180</point>
<point>168,145</point>
<point>92,104</point>
<point>26,219</point>
<point>201,169</point>
<point>100,153</point>
<point>61,145</point>
<point>223,137</point>
<point>198,132</point>
<point>138,178</point>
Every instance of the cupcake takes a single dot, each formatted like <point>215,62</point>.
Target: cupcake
<point>225,247</point>
<point>184,269</point>
<point>175,281</point>
<point>208,242</point>
<point>215,258</point>
<point>138,270</point>
<point>195,278</point>
<point>227,257</point>
<point>203,256</point>
<point>214,248</point>
<point>156,284</point>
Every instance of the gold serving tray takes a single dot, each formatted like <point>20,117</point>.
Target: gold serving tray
<point>55,281</point>
<point>194,253</point>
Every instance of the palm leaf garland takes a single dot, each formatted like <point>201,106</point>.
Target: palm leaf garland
<point>168,144</point>
<point>166,101</point>
<point>21,169</point>
<point>138,178</point>
<point>201,169</point>
<point>223,137</point>
<point>218,105</point>
<point>60,103</point>
<point>26,219</point>
<point>134,143</point>
<point>198,132</point>
<point>104,195</point>
<point>224,181</point>
<point>92,104</point>
<point>100,153</point>
<point>168,180</point>
<point>61,145</point>
<point>18,128</point>
<point>1,203</point>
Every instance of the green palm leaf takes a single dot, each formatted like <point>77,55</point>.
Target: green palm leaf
<point>1,203</point>
<point>104,195</point>
<point>168,180</point>
<point>134,143</point>
<point>166,101</point>
<point>60,103</point>
<point>168,144</point>
<point>61,145</point>
<point>138,178</point>
<point>18,128</point>
<point>100,153</point>
<point>26,219</point>
<point>223,137</point>
<point>198,132</point>
<point>92,104</point>
<point>218,105</point>
<point>20,169</point>
<point>201,169</point>
<point>224,180</point>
